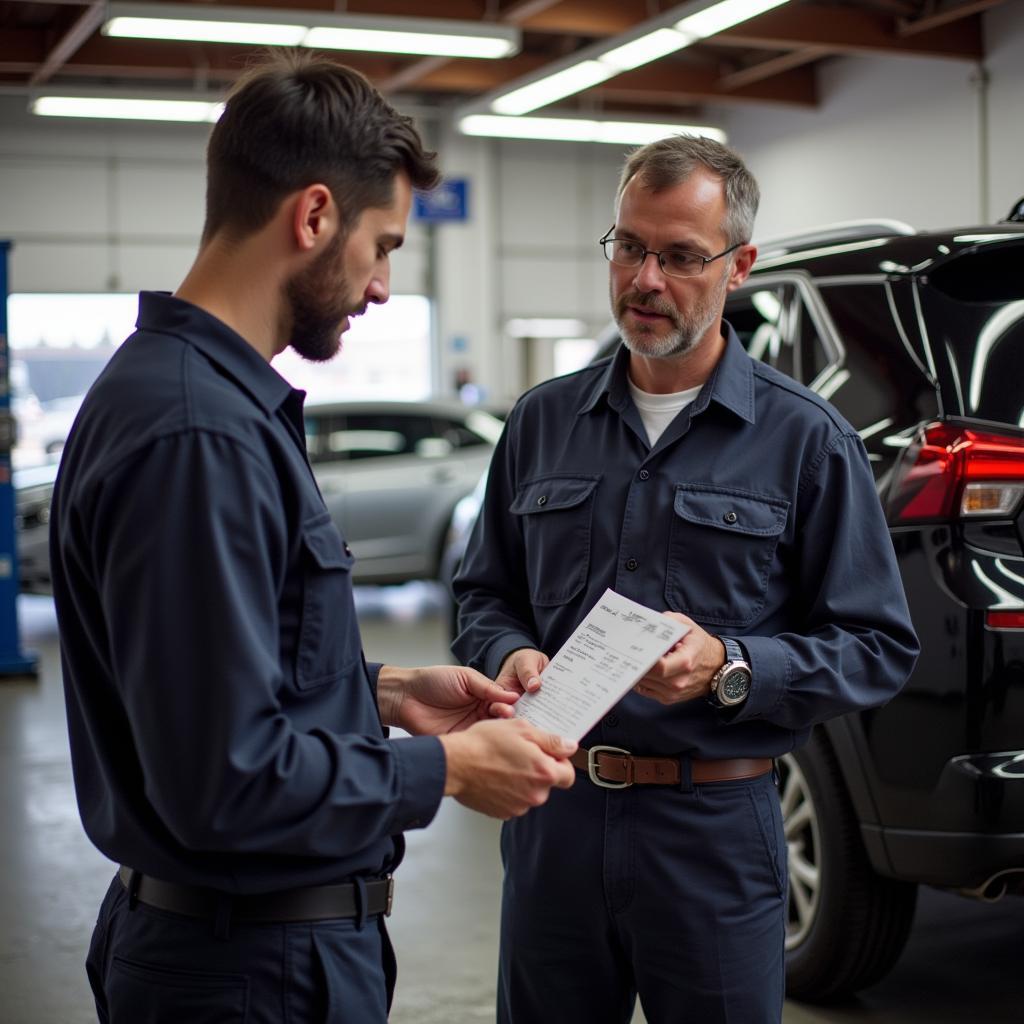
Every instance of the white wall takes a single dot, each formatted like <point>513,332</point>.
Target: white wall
<point>120,206</point>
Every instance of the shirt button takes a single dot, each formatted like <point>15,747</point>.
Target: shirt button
<point>632,565</point>
<point>644,474</point>
<point>612,720</point>
<point>730,517</point>
<point>542,500</point>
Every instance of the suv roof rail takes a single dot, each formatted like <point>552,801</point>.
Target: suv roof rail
<point>843,231</point>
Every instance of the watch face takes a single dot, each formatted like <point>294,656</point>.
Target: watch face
<point>733,688</point>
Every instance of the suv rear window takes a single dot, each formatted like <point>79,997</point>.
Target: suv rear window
<point>974,313</point>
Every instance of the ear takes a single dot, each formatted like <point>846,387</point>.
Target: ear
<point>314,217</point>
<point>742,264</point>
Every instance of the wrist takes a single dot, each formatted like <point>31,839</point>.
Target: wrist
<point>454,746</point>
<point>392,686</point>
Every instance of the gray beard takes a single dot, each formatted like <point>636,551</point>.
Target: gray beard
<point>688,329</point>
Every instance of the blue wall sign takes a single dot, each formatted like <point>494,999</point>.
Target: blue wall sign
<point>446,203</point>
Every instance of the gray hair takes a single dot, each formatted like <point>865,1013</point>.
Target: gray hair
<point>668,162</point>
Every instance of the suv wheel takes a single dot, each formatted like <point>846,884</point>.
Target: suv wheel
<point>846,924</point>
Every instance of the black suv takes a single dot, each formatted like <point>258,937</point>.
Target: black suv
<point>918,340</point>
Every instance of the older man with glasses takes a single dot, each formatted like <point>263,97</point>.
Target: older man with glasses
<point>693,479</point>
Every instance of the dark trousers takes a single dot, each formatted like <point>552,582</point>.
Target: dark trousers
<point>147,966</point>
<point>675,893</point>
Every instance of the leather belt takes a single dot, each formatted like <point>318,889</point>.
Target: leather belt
<point>312,903</point>
<point>615,768</point>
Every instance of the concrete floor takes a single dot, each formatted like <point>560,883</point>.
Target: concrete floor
<point>963,964</point>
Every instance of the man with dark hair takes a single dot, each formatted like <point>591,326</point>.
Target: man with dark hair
<point>689,477</point>
<point>227,736</point>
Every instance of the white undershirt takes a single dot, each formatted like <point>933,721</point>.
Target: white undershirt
<point>658,411</point>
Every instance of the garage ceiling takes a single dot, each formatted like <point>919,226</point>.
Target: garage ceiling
<point>771,58</point>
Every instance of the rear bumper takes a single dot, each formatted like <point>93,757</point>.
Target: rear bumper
<point>988,790</point>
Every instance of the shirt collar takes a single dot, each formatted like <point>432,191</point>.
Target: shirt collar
<point>166,314</point>
<point>731,383</point>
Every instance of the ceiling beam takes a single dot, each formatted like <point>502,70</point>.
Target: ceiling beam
<point>676,85</point>
<point>84,26</point>
<point>417,72</point>
<point>762,69</point>
<point>943,14</point>
<point>849,30</point>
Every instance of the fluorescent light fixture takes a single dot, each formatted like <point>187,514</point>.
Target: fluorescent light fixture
<point>126,109</point>
<point>199,30</point>
<point>576,129</point>
<point>659,43</point>
<point>553,87</point>
<point>723,15</point>
<point>431,43</point>
<point>268,27</point>
<point>654,38</point>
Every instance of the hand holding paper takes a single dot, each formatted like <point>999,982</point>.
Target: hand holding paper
<point>614,646</point>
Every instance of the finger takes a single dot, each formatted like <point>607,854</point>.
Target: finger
<point>565,776</point>
<point>484,689</point>
<point>496,710</point>
<point>551,743</point>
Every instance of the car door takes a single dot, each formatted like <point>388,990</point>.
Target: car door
<point>403,475</point>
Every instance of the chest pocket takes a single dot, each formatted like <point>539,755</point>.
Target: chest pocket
<point>555,515</point>
<point>329,635</point>
<point>721,552</point>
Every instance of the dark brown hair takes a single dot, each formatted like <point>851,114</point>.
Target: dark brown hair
<point>295,119</point>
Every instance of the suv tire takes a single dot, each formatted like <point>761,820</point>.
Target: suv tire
<point>846,925</point>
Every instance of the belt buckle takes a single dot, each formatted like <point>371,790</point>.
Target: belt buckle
<point>592,767</point>
<point>389,902</point>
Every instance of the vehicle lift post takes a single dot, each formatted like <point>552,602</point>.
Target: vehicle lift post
<point>14,663</point>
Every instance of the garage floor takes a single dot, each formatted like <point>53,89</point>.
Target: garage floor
<point>962,965</point>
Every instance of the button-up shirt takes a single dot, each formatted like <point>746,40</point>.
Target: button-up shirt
<point>223,721</point>
<point>755,514</point>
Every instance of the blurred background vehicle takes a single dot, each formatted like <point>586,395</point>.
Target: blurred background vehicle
<point>391,474</point>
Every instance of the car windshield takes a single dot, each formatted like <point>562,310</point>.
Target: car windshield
<point>974,310</point>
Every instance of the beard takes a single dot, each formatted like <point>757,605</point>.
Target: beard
<point>318,303</point>
<point>686,328</point>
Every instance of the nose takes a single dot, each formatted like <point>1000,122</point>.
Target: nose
<point>649,276</point>
<point>378,291</point>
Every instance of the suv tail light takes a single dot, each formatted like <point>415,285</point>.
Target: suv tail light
<point>955,471</point>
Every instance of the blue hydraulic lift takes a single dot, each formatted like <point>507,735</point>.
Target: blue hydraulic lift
<point>13,661</point>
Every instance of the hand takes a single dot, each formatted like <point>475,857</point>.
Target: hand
<point>685,672</point>
<point>520,671</point>
<point>504,768</point>
<point>439,699</point>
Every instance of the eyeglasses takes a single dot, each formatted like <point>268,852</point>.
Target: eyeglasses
<point>627,252</point>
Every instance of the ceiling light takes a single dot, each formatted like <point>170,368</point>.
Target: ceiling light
<point>657,37</point>
<point>429,43</point>
<point>263,26</point>
<point>200,30</point>
<point>553,87</point>
<point>651,46</point>
<point>129,109</point>
<point>723,15</point>
<point>575,129</point>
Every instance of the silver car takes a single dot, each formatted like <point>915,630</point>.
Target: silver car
<point>392,472</point>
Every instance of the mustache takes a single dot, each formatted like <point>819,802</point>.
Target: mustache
<point>648,301</point>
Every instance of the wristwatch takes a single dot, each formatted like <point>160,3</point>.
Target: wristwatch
<point>730,685</point>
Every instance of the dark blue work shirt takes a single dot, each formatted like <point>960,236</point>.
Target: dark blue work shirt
<point>223,722</point>
<point>755,514</point>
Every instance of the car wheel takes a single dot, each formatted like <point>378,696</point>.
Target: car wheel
<point>846,925</point>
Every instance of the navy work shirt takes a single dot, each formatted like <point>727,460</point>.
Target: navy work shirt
<point>755,514</point>
<point>224,726</point>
